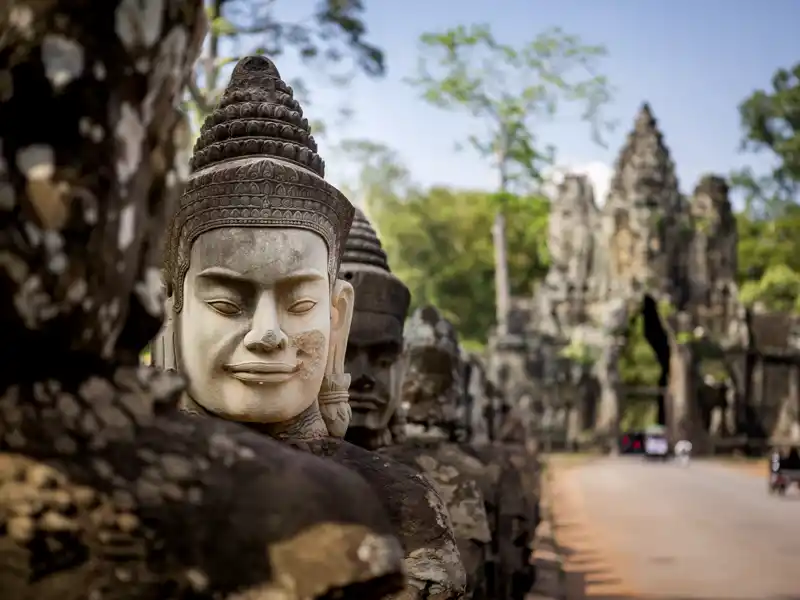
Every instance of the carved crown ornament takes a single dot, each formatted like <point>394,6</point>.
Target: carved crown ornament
<point>255,165</point>
<point>365,266</point>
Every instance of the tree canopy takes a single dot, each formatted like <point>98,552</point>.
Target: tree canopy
<point>509,91</point>
<point>769,224</point>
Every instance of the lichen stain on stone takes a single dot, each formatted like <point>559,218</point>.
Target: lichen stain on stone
<point>130,135</point>
<point>150,292</point>
<point>311,346</point>
<point>435,502</point>
<point>435,566</point>
<point>14,266</point>
<point>375,552</point>
<point>182,141</point>
<point>166,77</point>
<point>138,23</point>
<point>37,163</point>
<point>91,130</point>
<point>127,226</point>
<point>62,59</point>
<point>21,18</point>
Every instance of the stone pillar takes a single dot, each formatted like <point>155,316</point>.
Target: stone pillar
<point>502,289</point>
<point>681,388</point>
<point>758,383</point>
<point>683,418</point>
<point>607,420</point>
<point>573,424</point>
<point>788,425</point>
<point>794,399</point>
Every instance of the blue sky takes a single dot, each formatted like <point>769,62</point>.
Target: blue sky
<point>694,61</point>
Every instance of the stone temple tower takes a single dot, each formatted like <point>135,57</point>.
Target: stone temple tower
<point>643,218</point>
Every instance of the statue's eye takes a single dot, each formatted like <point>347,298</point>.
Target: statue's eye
<point>385,361</point>
<point>302,307</point>
<point>225,307</point>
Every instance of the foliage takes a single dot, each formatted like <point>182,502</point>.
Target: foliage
<point>769,259</point>
<point>771,122</point>
<point>334,33</point>
<point>381,174</point>
<point>638,414</point>
<point>778,289</point>
<point>638,365</point>
<point>439,243</point>
<point>509,89</point>
<point>578,352</point>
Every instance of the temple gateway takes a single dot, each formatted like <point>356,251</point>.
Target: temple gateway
<point>730,376</point>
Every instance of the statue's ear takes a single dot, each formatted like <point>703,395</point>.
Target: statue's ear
<point>342,303</point>
<point>333,396</point>
<point>164,346</point>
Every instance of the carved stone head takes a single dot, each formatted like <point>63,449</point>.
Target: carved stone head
<point>260,320</point>
<point>376,335</point>
<point>477,399</point>
<point>433,385</point>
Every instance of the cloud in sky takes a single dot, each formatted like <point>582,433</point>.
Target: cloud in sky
<point>599,174</point>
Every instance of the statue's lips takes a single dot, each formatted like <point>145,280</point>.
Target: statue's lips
<point>263,372</point>
<point>361,401</point>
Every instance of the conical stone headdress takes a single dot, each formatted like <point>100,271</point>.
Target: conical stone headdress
<point>379,293</point>
<point>255,165</point>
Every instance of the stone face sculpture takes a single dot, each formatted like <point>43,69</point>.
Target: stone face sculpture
<point>260,321</point>
<point>106,490</point>
<point>486,498</point>
<point>376,338</point>
<point>429,447</point>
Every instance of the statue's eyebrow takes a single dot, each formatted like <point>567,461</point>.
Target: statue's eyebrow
<point>224,275</point>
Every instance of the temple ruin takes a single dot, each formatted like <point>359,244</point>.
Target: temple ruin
<point>729,376</point>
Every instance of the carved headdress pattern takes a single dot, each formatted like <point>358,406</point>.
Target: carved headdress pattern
<point>378,291</point>
<point>255,164</point>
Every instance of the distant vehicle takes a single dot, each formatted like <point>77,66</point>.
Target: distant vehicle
<point>656,445</point>
<point>784,469</point>
<point>632,442</point>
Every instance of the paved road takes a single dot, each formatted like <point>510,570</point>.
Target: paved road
<point>642,530</point>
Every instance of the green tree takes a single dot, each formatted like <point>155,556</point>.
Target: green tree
<point>509,91</point>
<point>439,243</point>
<point>767,242</point>
<point>333,37</point>
<point>439,240</point>
<point>380,173</point>
<point>778,289</point>
<point>770,121</point>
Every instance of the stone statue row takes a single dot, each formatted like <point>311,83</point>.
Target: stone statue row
<point>298,443</point>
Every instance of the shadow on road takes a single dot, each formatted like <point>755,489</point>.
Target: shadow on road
<point>587,579</point>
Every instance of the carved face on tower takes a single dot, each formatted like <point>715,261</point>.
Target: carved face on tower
<point>432,386</point>
<point>376,336</point>
<point>260,321</point>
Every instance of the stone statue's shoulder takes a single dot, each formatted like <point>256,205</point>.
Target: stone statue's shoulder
<point>417,511</point>
<point>133,502</point>
<point>456,476</point>
<point>511,476</point>
<point>514,511</point>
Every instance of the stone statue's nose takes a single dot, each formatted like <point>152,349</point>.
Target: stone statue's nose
<point>265,333</point>
<point>365,383</point>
